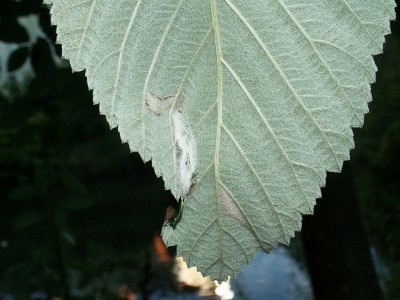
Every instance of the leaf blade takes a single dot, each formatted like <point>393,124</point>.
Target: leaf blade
<point>242,107</point>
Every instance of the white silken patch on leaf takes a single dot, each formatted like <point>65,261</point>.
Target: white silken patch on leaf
<point>185,152</point>
<point>242,106</point>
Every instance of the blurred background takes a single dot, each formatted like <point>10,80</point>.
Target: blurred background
<point>80,216</point>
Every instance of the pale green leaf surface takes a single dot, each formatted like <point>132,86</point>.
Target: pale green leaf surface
<point>255,99</point>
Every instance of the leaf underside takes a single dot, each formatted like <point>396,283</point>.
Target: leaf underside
<point>242,106</point>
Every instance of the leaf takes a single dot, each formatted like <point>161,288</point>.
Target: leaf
<point>27,219</point>
<point>242,106</point>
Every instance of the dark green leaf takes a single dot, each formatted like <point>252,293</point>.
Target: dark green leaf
<point>27,219</point>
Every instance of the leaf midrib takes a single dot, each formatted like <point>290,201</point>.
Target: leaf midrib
<point>218,52</point>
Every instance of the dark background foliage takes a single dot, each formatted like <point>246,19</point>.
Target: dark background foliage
<point>73,198</point>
